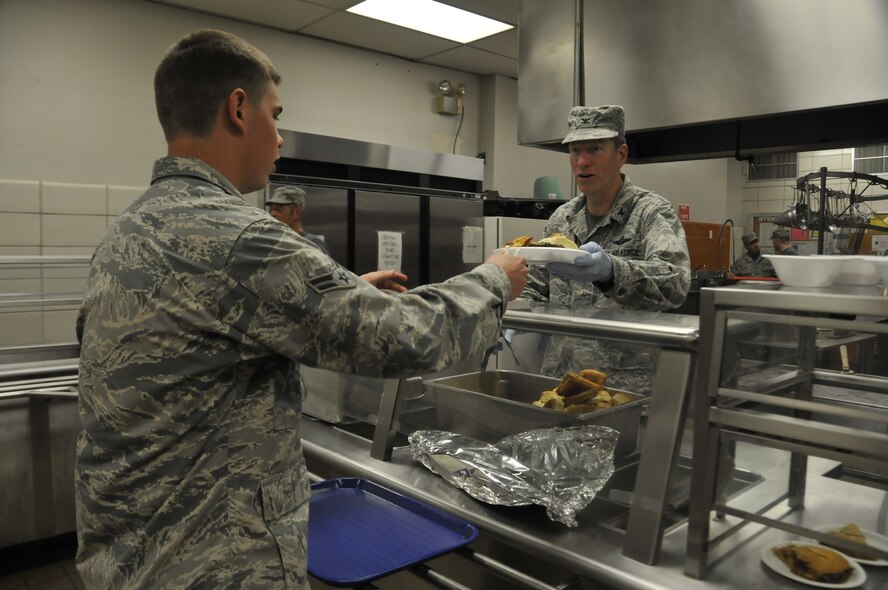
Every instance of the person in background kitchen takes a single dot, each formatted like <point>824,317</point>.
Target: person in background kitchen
<point>782,245</point>
<point>197,312</point>
<point>287,205</point>
<point>637,256</point>
<point>751,263</point>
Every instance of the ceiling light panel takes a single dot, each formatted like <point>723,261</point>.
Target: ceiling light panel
<point>431,17</point>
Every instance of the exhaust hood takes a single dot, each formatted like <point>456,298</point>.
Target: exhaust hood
<point>702,79</point>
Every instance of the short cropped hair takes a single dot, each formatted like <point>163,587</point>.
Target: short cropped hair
<point>199,72</point>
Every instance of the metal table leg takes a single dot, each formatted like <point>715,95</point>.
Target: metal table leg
<point>659,453</point>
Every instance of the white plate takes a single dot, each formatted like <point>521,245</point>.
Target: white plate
<point>858,577</point>
<point>872,539</point>
<point>542,254</point>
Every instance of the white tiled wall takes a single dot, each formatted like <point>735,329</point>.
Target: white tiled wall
<point>51,219</point>
<point>775,196</point>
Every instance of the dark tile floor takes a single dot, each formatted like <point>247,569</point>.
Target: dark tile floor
<point>43,565</point>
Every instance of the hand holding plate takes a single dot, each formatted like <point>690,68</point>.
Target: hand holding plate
<point>594,267</point>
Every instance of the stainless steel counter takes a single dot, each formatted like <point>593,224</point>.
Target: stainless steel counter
<point>594,551</point>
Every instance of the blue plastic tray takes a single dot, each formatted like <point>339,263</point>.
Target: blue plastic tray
<point>359,531</point>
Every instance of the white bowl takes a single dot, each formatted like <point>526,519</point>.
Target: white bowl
<point>881,264</point>
<point>806,271</point>
<point>858,270</point>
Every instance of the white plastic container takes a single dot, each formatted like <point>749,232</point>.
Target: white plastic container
<point>807,271</point>
<point>859,270</point>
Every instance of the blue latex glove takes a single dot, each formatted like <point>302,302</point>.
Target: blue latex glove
<point>594,268</point>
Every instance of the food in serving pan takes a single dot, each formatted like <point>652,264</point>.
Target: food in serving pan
<point>581,392</point>
<point>852,532</point>
<point>556,240</point>
<point>815,563</point>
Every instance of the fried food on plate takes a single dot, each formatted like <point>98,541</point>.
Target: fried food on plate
<point>815,563</point>
<point>852,532</point>
<point>519,242</point>
<point>556,240</point>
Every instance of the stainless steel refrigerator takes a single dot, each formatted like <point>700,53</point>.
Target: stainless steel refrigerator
<point>428,235</point>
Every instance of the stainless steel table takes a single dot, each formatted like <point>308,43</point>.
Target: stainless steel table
<point>591,550</point>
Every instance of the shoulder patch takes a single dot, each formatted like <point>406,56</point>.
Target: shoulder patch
<point>331,281</point>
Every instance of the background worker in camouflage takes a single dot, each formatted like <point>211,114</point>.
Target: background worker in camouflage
<point>637,253</point>
<point>780,239</point>
<point>198,309</point>
<point>287,205</point>
<point>751,263</point>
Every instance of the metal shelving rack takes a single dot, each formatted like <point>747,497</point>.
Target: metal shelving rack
<point>38,398</point>
<point>782,412</point>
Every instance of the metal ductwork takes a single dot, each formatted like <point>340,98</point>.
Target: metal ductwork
<point>702,79</point>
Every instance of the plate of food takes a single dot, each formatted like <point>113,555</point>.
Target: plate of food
<point>814,565</point>
<point>851,532</point>
<point>554,248</point>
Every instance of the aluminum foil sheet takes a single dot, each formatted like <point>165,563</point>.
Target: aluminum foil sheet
<point>559,468</point>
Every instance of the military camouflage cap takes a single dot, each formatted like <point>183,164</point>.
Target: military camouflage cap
<point>287,195</point>
<point>749,238</point>
<point>780,233</point>
<point>584,123</point>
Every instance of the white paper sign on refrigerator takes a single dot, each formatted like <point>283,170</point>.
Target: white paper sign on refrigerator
<point>472,244</point>
<point>390,249</point>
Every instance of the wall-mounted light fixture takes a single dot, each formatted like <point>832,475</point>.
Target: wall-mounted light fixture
<point>450,98</point>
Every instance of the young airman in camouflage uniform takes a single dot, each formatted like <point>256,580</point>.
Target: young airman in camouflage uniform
<point>638,253</point>
<point>198,309</point>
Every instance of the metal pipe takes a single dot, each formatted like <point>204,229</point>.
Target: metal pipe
<point>823,221</point>
<point>436,579</point>
<point>504,570</point>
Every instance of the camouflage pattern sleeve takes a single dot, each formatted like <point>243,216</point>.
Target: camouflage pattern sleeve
<point>537,288</point>
<point>299,303</point>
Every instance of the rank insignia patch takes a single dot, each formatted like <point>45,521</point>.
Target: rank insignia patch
<point>338,279</point>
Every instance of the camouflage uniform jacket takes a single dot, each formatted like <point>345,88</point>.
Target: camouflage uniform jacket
<point>649,251</point>
<point>316,240</point>
<point>189,469</point>
<point>747,266</point>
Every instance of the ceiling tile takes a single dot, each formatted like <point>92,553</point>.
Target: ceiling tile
<point>475,61</point>
<point>501,10</point>
<point>505,43</point>
<point>337,4</point>
<point>290,15</point>
<point>376,35</point>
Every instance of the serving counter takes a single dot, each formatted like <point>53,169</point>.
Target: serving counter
<point>592,550</point>
<point>635,534</point>
<point>642,543</point>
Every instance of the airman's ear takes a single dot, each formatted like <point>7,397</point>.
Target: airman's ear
<point>235,107</point>
<point>622,154</point>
